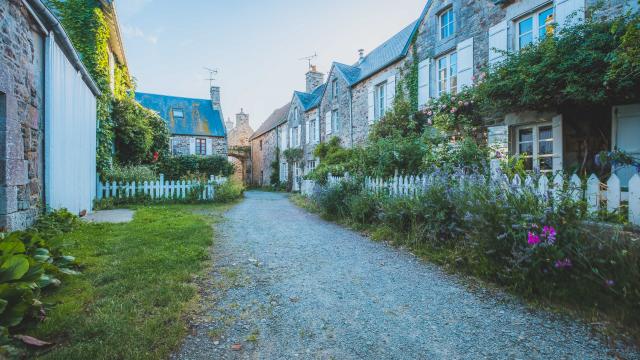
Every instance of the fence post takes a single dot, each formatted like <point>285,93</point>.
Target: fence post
<point>558,182</point>
<point>161,190</point>
<point>634,200</point>
<point>613,193</point>
<point>593,193</point>
<point>575,188</point>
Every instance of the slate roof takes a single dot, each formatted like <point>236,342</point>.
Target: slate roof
<point>312,100</point>
<point>200,119</point>
<point>277,118</point>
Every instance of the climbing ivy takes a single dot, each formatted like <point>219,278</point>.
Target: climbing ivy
<point>86,25</point>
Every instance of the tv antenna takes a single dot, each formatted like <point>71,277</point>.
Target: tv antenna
<point>212,74</point>
<point>309,59</point>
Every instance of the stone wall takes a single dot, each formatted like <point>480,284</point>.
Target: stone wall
<point>341,103</point>
<point>262,157</point>
<point>239,134</point>
<point>181,145</point>
<point>21,117</point>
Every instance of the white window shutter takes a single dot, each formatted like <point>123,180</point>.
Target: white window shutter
<point>306,132</point>
<point>291,144</point>
<point>317,132</point>
<point>391,91</point>
<point>327,122</point>
<point>565,10</point>
<point>498,42</point>
<point>371,103</point>
<point>465,63</point>
<point>299,136</point>
<point>209,146</point>
<point>423,82</point>
<point>192,146</point>
<point>285,141</point>
<point>557,143</point>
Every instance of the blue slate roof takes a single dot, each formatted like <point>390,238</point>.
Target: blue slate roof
<point>312,100</point>
<point>384,55</point>
<point>200,119</point>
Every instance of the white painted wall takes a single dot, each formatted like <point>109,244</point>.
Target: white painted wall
<point>70,134</point>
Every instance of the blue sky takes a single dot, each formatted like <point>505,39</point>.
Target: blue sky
<point>256,44</point>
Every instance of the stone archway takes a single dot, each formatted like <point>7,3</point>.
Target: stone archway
<point>240,156</point>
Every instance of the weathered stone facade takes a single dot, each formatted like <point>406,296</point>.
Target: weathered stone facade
<point>267,144</point>
<point>338,102</point>
<point>239,134</point>
<point>21,117</point>
<point>185,145</point>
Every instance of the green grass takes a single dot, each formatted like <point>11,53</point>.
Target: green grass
<point>136,287</point>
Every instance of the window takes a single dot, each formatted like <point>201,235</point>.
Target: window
<point>178,114</point>
<point>294,137</point>
<point>312,130</point>
<point>334,88</point>
<point>381,100</point>
<point>335,121</point>
<point>535,144</point>
<point>296,116</point>
<point>535,27</point>
<point>447,24</point>
<point>311,165</point>
<point>260,145</point>
<point>201,146</point>
<point>448,74</point>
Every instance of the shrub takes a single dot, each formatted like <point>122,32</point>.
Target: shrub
<point>333,199</point>
<point>193,166</point>
<point>137,173</point>
<point>229,191</point>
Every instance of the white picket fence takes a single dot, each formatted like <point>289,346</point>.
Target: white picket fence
<point>598,195</point>
<point>160,189</point>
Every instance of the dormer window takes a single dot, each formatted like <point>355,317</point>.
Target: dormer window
<point>178,114</point>
<point>447,23</point>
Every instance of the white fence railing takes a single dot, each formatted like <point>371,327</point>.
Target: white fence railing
<point>598,195</point>
<point>161,189</point>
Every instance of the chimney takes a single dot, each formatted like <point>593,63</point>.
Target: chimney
<point>314,79</point>
<point>361,55</point>
<point>242,118</point>
<point>215,98</point>
<point>228,124</point>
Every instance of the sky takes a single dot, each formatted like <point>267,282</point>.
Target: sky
<point>255,44</point>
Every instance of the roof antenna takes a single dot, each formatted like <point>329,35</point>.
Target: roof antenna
<point>212,74</point>
<point>309,59</point>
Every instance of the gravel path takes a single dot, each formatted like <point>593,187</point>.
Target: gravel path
<point>287,284</point>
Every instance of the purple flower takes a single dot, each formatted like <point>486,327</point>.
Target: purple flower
<point>563,264</point>
<point>609,283</point>
<point>533,239</point>
<point>550,233</point>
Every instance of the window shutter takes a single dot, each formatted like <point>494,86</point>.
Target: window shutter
<point>299,136</point>
<point>371,103</point>
<point>557,143</point>
<point>327,122</point>
<point>498,41</point>
<point>565,10</point>
<point>465,63</point>
<point>291,144</point>
<point>306,132</point>
<point>391,91</point>
<point>317,132</point>
<point>209,146</point>
<point>285,141</point>
<point>423,82</point>
<point>192,146</point>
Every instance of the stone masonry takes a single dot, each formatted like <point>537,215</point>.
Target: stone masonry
<point>339,103</point>
<point>21,117</point>
<point>239,134</point>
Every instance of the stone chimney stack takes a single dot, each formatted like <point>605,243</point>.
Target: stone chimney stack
<point>242,119</point>
<point>314,79</point>
<point>215,98</point>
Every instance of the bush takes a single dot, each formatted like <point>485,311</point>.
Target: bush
<point>333,200</point>
<point>194,166</point>
<point>31,261</point>
<point>137,173</point>
<point>229,191</point>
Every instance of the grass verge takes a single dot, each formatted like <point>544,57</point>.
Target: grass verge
<point>136,285</point>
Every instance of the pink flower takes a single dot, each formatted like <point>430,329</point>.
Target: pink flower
<point>429,122</point>
<point>453,110</point>
<point>563,264</point>
<point>533,239</point>
<point>430,113</point>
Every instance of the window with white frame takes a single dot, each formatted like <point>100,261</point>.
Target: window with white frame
<point>447,69</point>
<point>294,137</point>
<point>535,27</point>
<point>311,165</point>
<point>201,146</point>
<point>381,100</point>
<point>447,23</point>
<point>335,121</point>
<point>535,145</point>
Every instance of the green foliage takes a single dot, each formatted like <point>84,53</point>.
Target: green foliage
<point>571,69</point>
<point>31,261</point>
<point>274,179</point>
<point>192,166</point>
<point>137,173</point>
<point>229,191</point>
<point>333,159</point>
<point>400,121</point>
<point>293,155</point>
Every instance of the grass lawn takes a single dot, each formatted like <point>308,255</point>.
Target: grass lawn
<point>135,288</point>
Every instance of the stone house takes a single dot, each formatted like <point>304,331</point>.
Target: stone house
<point>458,38</point>
<point>238,135</point>
<point>195,125</point>
<point>47,118</point>
<point>267,145</point>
